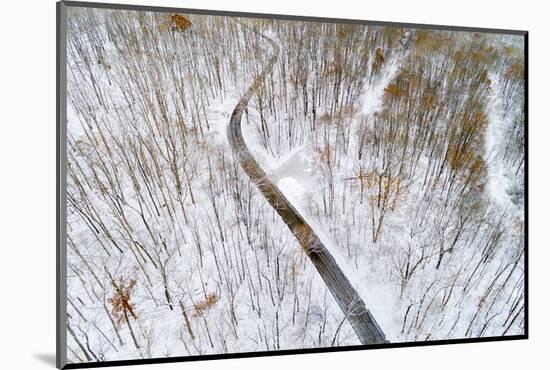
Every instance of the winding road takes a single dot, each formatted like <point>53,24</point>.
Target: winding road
<point>349,301</point>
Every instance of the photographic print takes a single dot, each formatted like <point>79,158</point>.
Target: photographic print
<point>240,185</point>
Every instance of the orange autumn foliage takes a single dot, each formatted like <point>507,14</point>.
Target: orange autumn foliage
<point>120,301</point>
<point>205,305</point>
<point>179,22</point>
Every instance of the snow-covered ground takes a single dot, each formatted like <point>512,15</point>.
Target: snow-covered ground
<point>372,271</point>
<point>157,203</point>
<point>500,179</point>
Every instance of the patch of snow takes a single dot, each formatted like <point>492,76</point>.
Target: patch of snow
<point>372,97</point>
<point>497,181</point>
<point>377,295</point>
<point>219,113</point>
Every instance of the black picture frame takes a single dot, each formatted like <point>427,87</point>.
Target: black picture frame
<point>61,163</point>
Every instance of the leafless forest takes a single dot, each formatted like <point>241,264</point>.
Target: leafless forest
<point>402,148</point>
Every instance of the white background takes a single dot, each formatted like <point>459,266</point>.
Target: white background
<point>27,182</point>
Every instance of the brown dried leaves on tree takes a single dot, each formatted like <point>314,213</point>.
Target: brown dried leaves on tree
<point>120,301</point>
<point>179,22</point>
<point>205,305</point>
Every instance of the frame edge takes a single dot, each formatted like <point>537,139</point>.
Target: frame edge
<point>61,211</point>
<point>289,17</point>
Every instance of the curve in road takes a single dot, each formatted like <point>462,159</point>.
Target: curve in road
<point>349,301</point>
